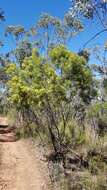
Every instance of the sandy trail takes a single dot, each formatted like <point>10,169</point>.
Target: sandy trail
<point>21,167</point>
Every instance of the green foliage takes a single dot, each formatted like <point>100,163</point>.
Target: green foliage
<point>88,9</point>
<point>44,88</point>
<point>16,31</point>
<point>24,49</point>
<point>38,79</point>
<point>50,89</point>
<point>75,70</point>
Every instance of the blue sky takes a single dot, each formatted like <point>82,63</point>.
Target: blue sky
<point>27,12</point>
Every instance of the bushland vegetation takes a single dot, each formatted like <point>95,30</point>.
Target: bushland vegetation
<point>55,94</point>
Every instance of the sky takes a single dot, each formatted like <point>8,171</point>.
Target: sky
<point>27,12</point>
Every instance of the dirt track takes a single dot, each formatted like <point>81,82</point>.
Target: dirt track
<point>21,167</point>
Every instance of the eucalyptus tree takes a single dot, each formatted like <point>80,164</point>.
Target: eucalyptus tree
<point>48,32</point>
<point>100,69</point>
<point>16,31</point>
<point>3,77</point>
<point>51,31</point>
<point>90,9</point>
<point>23,50</point>
<point>2,18</point>
<point>23,45</point>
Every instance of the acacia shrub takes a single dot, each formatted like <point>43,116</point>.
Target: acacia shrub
<point>43,91</point>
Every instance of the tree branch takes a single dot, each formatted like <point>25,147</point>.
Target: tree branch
<point>97,34</point>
